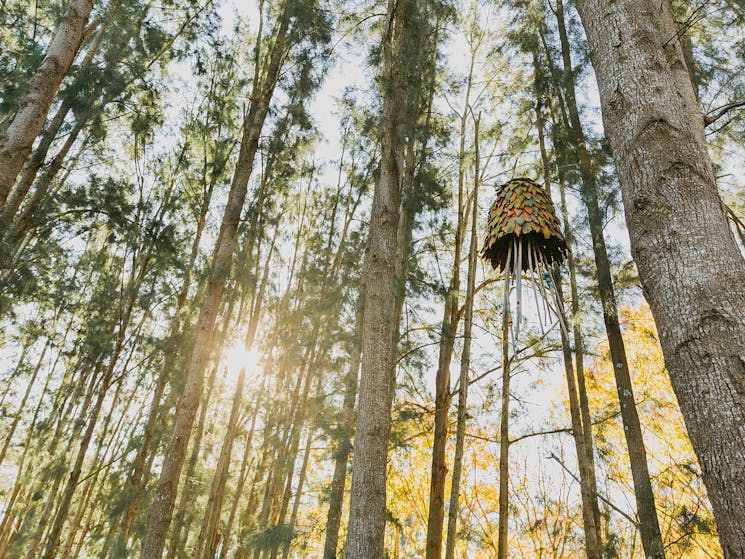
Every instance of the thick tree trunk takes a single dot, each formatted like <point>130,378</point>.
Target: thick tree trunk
<point>649,528</point>
<point>367,517</point>
<point>161,511</point>
<point>692,271</point>
<point>35,162</point>
<point>16,143</point>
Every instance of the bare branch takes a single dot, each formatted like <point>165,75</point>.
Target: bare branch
<point>721,111</point>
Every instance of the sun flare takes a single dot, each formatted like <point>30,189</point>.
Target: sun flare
<point>237,357</point>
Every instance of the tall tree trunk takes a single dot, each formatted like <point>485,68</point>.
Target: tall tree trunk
<point>504,434</point>
<point>207,540</point>
<point>161,510</point>
<point>448,331</point>
<point>150,437</point>
<point>366,532</point>
<point>344,444</point>
<point>228,531</point>
<point>465,360</point>
<point>585,462</point>
<point>91,419</point>
<point>16,143</point>
<point>35,162</point>
<point>692,271</point>
<point>298,493</point>
<point>22,406</point>
<point>646,510</point>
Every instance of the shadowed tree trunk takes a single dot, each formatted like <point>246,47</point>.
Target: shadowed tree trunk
<point>585,463</point>
<point>692,272</point>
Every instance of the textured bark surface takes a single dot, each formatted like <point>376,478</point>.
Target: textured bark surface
<point>161,511</point>
<point>16,143</point>
<point>692,271</point>
<point>366,529</point>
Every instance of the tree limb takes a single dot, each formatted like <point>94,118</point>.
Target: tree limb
<point>721,111</point>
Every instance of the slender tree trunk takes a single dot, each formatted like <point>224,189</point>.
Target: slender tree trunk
<point>91,419</point>
<point>207,540</point>
<point>16,143</point>
<point>448,330</point>
<point>150,437</point>
<point>161,511</point>
<point>344,444</point>
<point>646,509</point>
<point>227,533</point>
<point>298,492</point>
<point>504,437</point>
<point>22,405</point>
<point>585,462</point>
<point>465,360</point>
<point>692,271</point>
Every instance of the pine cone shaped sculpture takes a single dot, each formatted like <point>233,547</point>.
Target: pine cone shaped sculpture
<point>523,211</point>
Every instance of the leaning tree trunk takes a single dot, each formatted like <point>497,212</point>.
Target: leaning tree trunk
<point>588,488</point>
<point>367,516</point>
<point>16,143</point>
<point>649,528</point>
<point>161,512</point>
<point>692,271</point>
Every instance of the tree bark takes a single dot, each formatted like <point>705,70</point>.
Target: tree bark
<point>367,517</point>
<point>16,143</point>
<point>692,272</point>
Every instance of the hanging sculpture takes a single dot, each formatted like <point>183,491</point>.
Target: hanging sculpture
<point>524,237</point>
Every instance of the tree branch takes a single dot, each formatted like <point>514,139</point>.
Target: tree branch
<point>721,111</point>
<point>599,496</point>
